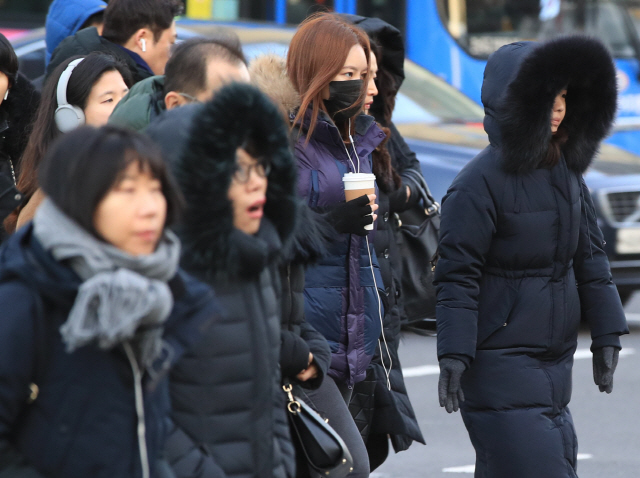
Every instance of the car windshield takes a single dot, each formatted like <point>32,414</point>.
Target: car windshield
<point>423,97</point>
<point>482,26</point>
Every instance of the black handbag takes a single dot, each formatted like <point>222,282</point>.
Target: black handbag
<point>323,449</point>
<point>418,245</point>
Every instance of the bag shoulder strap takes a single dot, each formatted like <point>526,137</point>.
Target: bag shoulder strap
<point>427,198</point>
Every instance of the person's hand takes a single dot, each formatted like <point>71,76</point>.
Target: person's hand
<point>310,372</point>
<point>449,391</point>
<point>350,217</point>
<point>605,361</point>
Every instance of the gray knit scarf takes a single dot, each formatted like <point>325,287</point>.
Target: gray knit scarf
<point>122,297</point>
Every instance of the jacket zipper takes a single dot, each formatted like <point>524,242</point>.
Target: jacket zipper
<point>142,439</point>
<point>387,372</point>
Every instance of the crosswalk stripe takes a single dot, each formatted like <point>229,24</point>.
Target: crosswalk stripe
<point>472,468</point>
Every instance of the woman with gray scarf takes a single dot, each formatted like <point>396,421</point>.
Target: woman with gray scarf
<point>94,312</point>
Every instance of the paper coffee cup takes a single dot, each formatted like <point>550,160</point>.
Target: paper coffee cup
<point>358,184</point>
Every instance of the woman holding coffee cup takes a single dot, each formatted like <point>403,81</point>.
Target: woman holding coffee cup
<point>328,64</point>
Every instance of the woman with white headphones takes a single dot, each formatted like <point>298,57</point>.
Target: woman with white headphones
<point>82,90</point>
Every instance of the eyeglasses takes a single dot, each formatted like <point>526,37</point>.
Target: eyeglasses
<point>193,99</point>
<point>243,171</point>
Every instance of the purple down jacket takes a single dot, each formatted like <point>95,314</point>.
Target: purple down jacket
<point>341,300</point>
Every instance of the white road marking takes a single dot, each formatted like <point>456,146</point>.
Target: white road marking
<point>472,468</point>
<point>460,469</point>
<point>633,318</point>
<point>424,370</point>
<point>421,371</point>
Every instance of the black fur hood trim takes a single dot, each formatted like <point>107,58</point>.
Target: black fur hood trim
<point>237,112</point>
<point>19,110</point>
<point>518,117</point>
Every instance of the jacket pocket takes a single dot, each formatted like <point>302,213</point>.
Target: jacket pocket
<point>496,301</point>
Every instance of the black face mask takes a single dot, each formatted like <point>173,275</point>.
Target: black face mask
<point>343,99</point>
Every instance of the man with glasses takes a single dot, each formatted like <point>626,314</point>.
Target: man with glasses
<point>195,71</point>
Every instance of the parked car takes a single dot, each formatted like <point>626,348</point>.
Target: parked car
<point>444,128</point>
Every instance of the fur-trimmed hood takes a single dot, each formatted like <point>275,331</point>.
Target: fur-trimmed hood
<point>521,81</point>
<point>204,164</point>
<point>269,73</point>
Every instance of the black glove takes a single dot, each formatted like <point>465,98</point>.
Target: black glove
<point>605,361</point>
<point>350,217</point>
<point>449,390</point>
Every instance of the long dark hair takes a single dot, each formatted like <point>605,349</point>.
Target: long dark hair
<point>8,60</point>
<point>82,166</point>
<point>554,153</point>
<point>387,178</point>
<point>383,104</point>
<point>45,131</point>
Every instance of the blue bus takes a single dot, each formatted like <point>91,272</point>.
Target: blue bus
<point>454,38</point>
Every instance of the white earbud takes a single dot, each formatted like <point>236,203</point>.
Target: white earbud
<point>144,44</point>
<point>6,94</point>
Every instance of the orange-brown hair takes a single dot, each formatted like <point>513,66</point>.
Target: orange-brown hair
<point>316,55</point>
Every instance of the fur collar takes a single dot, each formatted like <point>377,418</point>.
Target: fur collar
<point>269,73</point>
<point>204,171</point>
<point>518,117</point>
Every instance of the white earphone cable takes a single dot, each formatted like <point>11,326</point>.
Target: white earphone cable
<point>387,371</point>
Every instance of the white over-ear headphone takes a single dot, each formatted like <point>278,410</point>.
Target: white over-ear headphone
<point>67,117</point>
<point>144,44</point>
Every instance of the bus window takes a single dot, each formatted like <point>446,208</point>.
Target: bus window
<point>482,26</point>
<point>426,96</point>
<point>298,10</point>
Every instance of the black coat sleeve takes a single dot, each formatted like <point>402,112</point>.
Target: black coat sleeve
<point>404,159</point>
<point>467,226</point>
<point>17,369</point>
<point>188,460</point>
<point>294,354</point>
<point>319,347</point>
<point>599,300</point>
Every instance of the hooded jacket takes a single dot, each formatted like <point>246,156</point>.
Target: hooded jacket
<point>141,105</point>
<point>226,394</point>
<point>64,19</point>
<point>299,338</point>
<point>309,245</point>
<point>381,413</point>
<point>17,113</point>
<point>86,41</point>
<point>81,418</point>
<point>521,257</point>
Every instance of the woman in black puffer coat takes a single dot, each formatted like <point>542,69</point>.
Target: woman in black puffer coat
<point>18,104</point>
<point>304,354</point>
<point>522,262</point>
<point>233,162</point>
<point>383,410</point>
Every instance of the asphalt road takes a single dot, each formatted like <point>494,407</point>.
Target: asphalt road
<point>608,426</point>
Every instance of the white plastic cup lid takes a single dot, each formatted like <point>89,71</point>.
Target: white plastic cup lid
<point>359,181</point>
